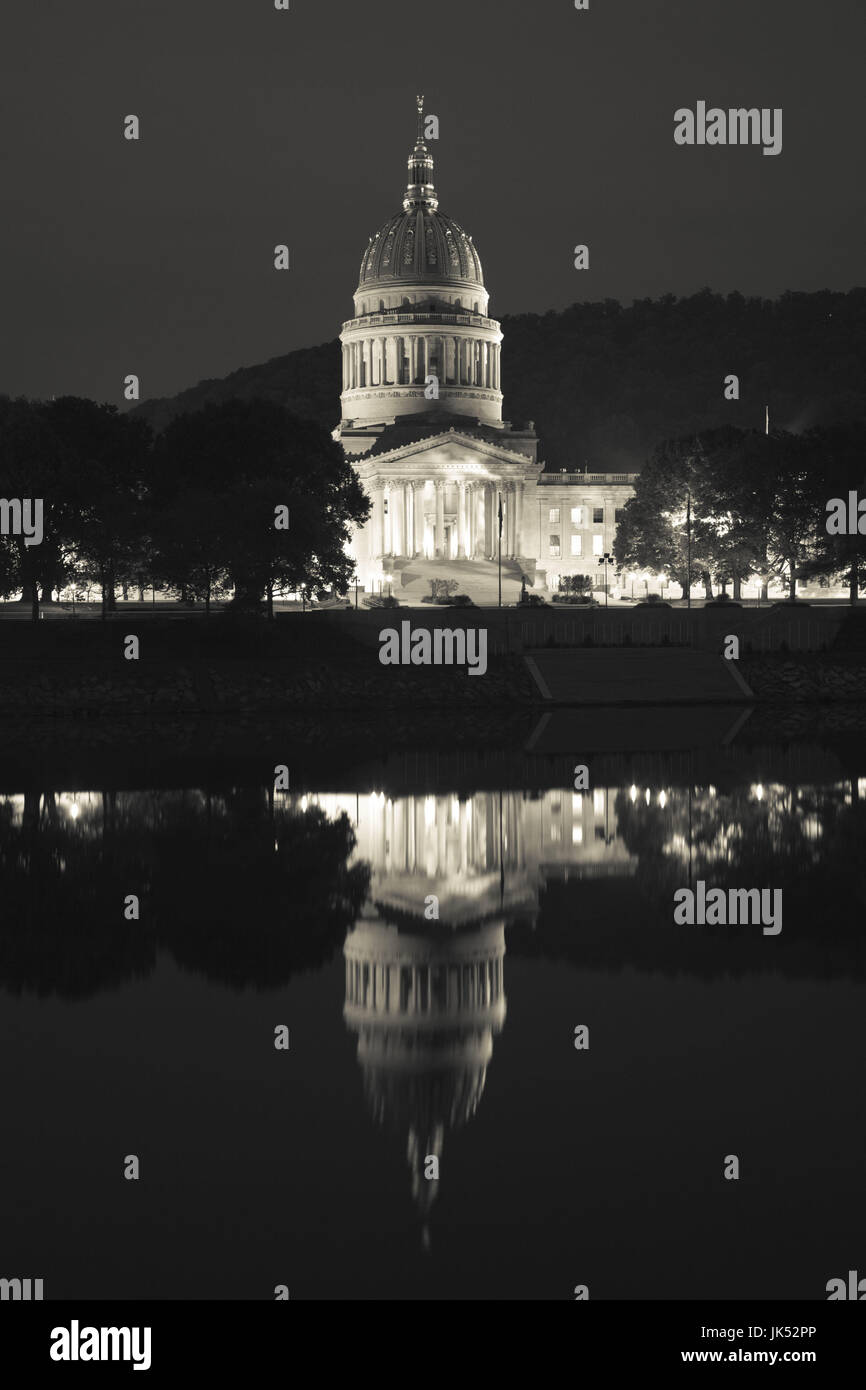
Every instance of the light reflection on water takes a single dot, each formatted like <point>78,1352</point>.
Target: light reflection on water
<point>419,912</point>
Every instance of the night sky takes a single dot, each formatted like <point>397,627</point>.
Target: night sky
<point>259,127</point>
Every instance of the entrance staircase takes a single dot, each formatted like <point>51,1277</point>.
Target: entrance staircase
<point>477,578</point>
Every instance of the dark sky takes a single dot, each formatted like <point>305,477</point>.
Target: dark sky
<point>261,127</point>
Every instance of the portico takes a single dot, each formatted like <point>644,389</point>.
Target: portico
<point>439,500</point>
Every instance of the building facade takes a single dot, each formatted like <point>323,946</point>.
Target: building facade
<point>422,422</point>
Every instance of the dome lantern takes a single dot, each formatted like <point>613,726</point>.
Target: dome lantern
<point>420,191</point>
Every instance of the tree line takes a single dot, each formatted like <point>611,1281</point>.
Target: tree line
<point>606,382</point>
<point>192,511</point>
<point>730,505</point>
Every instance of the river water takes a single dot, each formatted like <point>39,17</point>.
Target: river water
<point>432,928</point>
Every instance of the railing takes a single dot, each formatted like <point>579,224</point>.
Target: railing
<point>584,478</point>
<point>395,316</point>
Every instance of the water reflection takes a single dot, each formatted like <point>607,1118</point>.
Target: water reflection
<point>247,888</point>
<point>399,903</point>
<point>425,1010</point>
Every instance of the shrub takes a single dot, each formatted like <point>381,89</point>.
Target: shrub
<point>381,601</point>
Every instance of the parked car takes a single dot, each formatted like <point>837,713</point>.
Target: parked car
<point>722,601</point>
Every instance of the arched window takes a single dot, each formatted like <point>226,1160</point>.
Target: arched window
<point>458,304</point>
<point>381,306</point>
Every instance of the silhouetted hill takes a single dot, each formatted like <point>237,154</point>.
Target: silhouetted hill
<point>605,383</point>
<point>306,381</point>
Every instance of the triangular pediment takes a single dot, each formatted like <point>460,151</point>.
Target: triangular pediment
<point>450,446</point>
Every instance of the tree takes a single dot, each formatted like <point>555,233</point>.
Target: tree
<point>108,456</point>
<point>739,502</point>
<point>261,466</point>
<point>34,465</point>
<point>838,455</point>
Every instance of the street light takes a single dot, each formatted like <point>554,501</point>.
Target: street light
<point>606,560</point>
<point>689,545</point>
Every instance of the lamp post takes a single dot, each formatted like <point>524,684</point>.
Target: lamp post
<point>499,547</point>
<point>605,560</point>
<point>689,547</point>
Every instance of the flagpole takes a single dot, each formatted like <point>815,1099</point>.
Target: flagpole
<point>500,548</point>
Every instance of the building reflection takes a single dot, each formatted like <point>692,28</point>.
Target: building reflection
<point>425,996</point>
<point>425,1002</point>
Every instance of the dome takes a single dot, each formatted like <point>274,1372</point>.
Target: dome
<point>420,244</point>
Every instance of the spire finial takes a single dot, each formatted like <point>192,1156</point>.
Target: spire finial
<point>420,191</point>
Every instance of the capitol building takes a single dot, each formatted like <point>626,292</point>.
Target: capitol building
<point>421,422</point>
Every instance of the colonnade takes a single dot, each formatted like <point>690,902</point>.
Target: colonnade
<point>424,988</point>
<point>444,518</point>
<point>405,360</point>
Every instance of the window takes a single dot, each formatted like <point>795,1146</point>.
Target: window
<point>597,515</point>
<point>598,545</point>
<point>554,550</point>
<point>553,517</point>
<point>577,517</point>
<point>576,545</point>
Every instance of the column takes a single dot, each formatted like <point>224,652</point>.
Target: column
<point>461,519</point>
<point>440,518</point>
<point>471,500</point>
<point>377,522</point>
<point>419,517</point>
<point>395,511</point>
<point>380,538</point>
<point>518,519</point>
<point>408,515</point>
